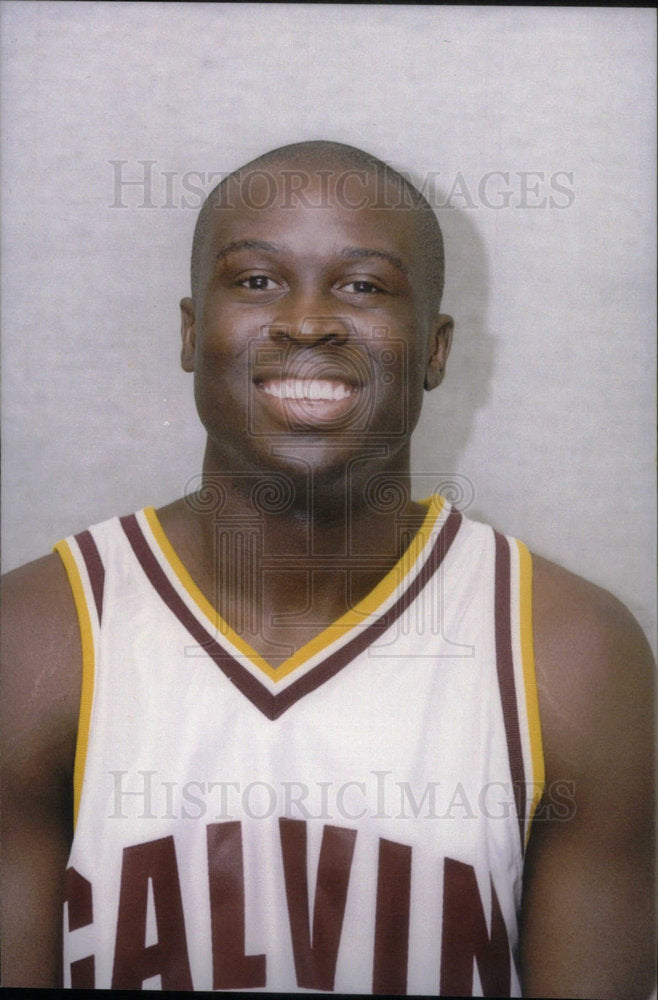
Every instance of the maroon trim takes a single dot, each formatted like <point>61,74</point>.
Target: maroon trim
<point>235,672</point>
<point>274,705</point>
<point>95,568</point>
<point>341,657</point>
<point>505,667</point>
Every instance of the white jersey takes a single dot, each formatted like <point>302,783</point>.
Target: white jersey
<point>352,820</point>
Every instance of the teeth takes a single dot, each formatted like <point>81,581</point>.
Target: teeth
<point>308,389</point>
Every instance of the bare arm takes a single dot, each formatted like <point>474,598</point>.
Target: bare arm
<point>41,660</point>
<point>588,916</point>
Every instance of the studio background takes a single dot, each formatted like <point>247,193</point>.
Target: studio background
<point>532,130</point>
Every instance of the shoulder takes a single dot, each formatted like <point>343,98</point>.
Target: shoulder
<point>595,683</point>
<point>594,665</point>
<point>41,666</point>
<point>37,604</point>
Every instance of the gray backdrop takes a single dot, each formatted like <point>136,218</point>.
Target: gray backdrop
<point>531,130</point>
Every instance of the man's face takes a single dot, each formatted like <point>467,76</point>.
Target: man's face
<point>312,331</point>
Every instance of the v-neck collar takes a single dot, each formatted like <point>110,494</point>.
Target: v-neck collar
<point>273,689</point>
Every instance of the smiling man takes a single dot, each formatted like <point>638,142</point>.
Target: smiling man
<point>297,729</point>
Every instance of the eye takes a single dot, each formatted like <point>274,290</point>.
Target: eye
<point>362,287</point>
<point>259,283</point>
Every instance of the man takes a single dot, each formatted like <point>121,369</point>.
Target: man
<point>306,750</point>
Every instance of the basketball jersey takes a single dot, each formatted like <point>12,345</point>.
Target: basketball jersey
<point>354,819</point>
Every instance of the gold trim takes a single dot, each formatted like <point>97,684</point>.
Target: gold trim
<point>338,629</point>
<point>87,691</point>
<point>530,680</point>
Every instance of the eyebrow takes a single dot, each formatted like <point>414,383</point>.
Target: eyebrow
<point>348,253</point>
<point>357,253</point>
<point>236,245</point>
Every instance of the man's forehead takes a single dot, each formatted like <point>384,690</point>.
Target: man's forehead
<point>286,197</point>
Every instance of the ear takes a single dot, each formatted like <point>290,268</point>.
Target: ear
<point>187,334</point>
<point>439,349</point>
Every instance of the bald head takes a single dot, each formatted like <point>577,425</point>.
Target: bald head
<point>334,165</point>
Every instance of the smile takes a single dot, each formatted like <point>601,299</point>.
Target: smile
<point>320,390</point>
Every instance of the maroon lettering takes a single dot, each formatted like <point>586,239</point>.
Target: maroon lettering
<point>465,937</point>
<point>133,961</point>
<point>83,973</point>
<point>389,974</point>
<point>78,896</point>
<point>232,969</point>
<point>316,956</point>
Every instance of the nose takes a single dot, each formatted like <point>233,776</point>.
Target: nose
<point>309,323</point>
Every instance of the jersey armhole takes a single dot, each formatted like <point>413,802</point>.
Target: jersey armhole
<point>80,588</point>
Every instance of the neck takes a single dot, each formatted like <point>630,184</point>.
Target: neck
<point>282,556</point>
<point>349,507</point>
